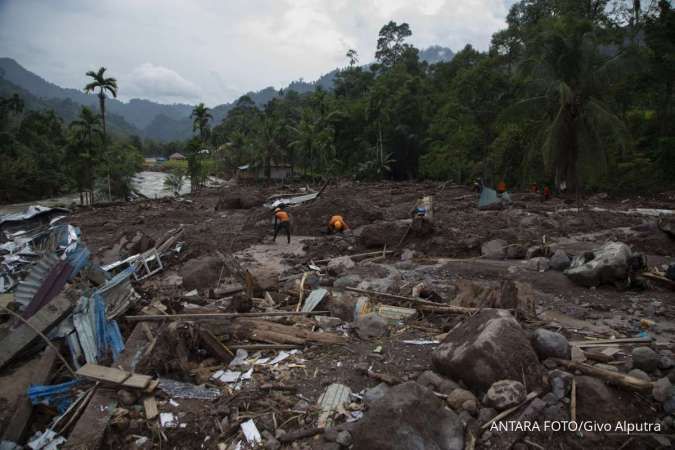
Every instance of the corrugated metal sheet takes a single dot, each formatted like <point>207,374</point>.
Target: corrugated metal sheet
<point>78,259</point>
<point>118,293</point>
<point>51,286</point>
<point>27,289</point>
<point>97,335</point>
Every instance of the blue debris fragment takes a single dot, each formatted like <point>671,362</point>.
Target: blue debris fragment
<point>59,396</point>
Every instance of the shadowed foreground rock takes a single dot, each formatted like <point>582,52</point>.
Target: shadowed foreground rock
<point>489,347</point>
<point>408,417</point>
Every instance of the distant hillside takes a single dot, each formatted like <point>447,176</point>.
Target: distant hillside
<point>146,118</point>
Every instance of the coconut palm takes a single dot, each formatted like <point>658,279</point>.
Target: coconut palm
<point>200,121</point>
<point>570,74</point>
<point>105,86</point>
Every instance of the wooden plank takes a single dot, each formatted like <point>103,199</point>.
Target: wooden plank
<point>103,373</point>
<point>216,316</point>
<point>595,342</point>
<point>24,408</point>
<point>152,386</point>
<point>137,381</point>
<point>215,346</point>
<point>88,432</point>
<point>43,320</point>
<point>150,406</point>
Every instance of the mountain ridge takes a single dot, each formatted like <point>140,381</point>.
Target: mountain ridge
<point>146,118</point>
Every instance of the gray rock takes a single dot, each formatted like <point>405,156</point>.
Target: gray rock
<point>556,411</point>
<point>470,406</point>
<point>595,399</point>
<point>201,273</point>
<point>537,264</point>
<point>488,347</point>
<point>515,251</point>
<point>608,265</point>
<point>407,254</point>
<point>371,325</point>
<point>560,261</point>
<point>505,393</point>
<point>645,358</point>
<point>549,344</point>
<point>662,390</point>
<point>338,266</point>
<point>375,393</point>
<point>666,362</point>
<point>637,373</point>
<point>494,249</point>
<point>669,405</point>
<point>344,438</point>
<point>408,417</point>
<point>550,398</point>
<point>347,281</point>
<point>558,388</point>
<point>328,322</point>
<point>437,383</point>
<point>457,398</point>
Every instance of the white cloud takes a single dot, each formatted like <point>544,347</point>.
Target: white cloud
<point>215,50</point>
<point>159,83</point>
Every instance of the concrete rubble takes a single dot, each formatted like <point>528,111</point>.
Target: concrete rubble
<point>173,324</point>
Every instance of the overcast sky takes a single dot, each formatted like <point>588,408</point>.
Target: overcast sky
<point>215,50</point>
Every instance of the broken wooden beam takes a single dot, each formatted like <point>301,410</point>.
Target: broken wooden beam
<point>419,303</point>
<point>112,375</point>
<point>220,316</point>
<point>292,436</point>
<point>627,381</point>
<point>24,408</point>
<point>215,346</point>
<point>599,342</point>
<point>276,333</point>
<point>42,321</point>
<point>355,256</point>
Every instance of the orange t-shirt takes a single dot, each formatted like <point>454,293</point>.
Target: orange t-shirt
<point>282,216</point>
<point>501,187</point>
<point>337,223</point>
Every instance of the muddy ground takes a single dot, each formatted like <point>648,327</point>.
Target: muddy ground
<point>232,220</point>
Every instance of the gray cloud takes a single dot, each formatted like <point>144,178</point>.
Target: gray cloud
<point>215,50</point>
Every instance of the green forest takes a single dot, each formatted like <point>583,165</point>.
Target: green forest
<point>574,91</point>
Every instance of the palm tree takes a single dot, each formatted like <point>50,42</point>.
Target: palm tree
<point>268,142</point>
<point>570,75</point>
<point>201,117</point>
<point>85,129</point>
<point>104,85</point>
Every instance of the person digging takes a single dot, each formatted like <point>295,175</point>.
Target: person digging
<point>281,222</point>
<point>337,224</point>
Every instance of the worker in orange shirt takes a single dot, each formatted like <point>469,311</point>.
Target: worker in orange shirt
<point>501,187</point>
<point>281,222</point>
<point>337,224</point>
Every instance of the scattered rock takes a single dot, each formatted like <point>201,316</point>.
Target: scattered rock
<point>437,383</point>
<point>549,344</point>
<point>595,400</point>
<point>202,272</point>
<point>375,393</point>
<point>341,304</point>
<point>662,390</point>
<point>667,225</point>
<point>470,406</point>
<point>457,398</point>
<point>371,325</point>
<point>637,373</point>
<point>669,405</point>
<point>645,358</point>
<point>505,393</point>
<point>347,281</point>
<point>666,362</point>
<point>537,264</point>
<point>489,347</point>
<point>560,261</point>
<point>486,414</point>
<point>338,266</point>
<point>607,264</point>
<point>327,323</point>
<point>494,249</point>
<point>391,424</point>
<point>344,438</point>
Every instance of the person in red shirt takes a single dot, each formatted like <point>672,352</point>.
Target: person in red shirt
<point>547,193</point>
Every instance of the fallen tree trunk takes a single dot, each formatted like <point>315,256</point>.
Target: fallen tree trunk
<point>632,383</point>
<point>275,333</point>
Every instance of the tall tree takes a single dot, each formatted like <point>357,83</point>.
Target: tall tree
<point>105,85</point>
<point>87,130</point>
<point>391,43</point>
<point>200,121</point>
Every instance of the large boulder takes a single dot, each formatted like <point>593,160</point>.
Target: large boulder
<point>201,273</point>
<point>494,249</point>
<point>408,417</point>
<point>549,344</point>
<point>607,264</point>
<point>666,224</point>
<point>596,401</point>
<point>489,347</point>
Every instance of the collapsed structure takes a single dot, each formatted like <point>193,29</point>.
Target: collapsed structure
<point>178,323</point>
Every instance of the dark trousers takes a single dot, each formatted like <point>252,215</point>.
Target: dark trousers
<point>282,226</point>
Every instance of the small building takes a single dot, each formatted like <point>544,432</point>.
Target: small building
<point>177,157</point>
